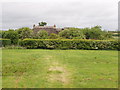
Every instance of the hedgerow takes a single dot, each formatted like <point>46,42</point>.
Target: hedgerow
<point>70,44</point>
<point>5,42</point>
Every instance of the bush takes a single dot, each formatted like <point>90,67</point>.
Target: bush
<point>12,35</point>
<point>72,33</point>
<point>53,36</point>
<point>96,33</point>
<point>5,42</point>
<point>25,32</point>
<point>14,47</point>
<point>71,44</point>
<point>42,34</point>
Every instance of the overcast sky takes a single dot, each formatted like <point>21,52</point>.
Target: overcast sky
<point>63,13</point>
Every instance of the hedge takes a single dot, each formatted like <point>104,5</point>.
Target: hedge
<point>5,42</point>
<point>70,44</point>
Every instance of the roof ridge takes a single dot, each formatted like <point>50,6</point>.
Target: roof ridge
<point>44,27</point>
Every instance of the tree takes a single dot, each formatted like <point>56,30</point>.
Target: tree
<point>106,35</point>
<point>42,34</point>
<point>95,33</point>
<point>71,33</point>
<point>86,32</point>
<point>25,32</point>
<point>1,33</point>
<point>98,27</point>
<point>53,36</point>
<point>42,23</point>
<point>12,35</point>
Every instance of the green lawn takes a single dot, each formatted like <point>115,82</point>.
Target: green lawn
<point>37,68</point>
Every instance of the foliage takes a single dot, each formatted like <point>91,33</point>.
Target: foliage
<point>25,32</point>
<point>106,35</point>
<point>71,33</point>
<point>14,47</point>
<point>42,34</point>
<point>71,44</point>
<point>5,42</point>
<point>42,23</point>
<point>1,34</point>
<point>96,33</point>
<point>12,35</point>
<point>117,31</point>
<point>53,36</point>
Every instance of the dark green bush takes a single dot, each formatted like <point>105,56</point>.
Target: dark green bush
<point>42,34</point>
<point>71,44</point>
<point>5,42</point>
<point>24,32</point>
<point>72,33</point>
<point>12,35</point>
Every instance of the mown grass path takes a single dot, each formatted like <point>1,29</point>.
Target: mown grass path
<point>59,68</point>
<point>58,74</point>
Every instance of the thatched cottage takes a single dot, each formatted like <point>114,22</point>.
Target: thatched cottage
<point>49,29</point>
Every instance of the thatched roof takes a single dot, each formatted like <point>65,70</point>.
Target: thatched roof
<point>44,27</point>
<point>49,29</point>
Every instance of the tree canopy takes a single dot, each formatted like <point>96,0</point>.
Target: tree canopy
<point>42,34</point>
<point>42,23</point>
<point>71,33</point>
<point>96,33</point>
<point>25,32</point>
<point>12,35</point>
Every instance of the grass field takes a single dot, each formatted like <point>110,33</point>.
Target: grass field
<point>59,68</point>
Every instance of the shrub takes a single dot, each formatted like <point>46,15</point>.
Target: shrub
<point>71,44</point>
<point>96,33</point>
<point>53,36</point>
<point>25,32</point>
<point>5,42</point>
<point>14,47</point>
<point>42,34</point>
<point>12,35</point>
<point>71,33</point>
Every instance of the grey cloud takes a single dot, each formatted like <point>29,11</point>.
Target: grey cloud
<point>74,13</point>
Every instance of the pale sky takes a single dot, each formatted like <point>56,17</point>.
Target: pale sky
<point>63,13</point>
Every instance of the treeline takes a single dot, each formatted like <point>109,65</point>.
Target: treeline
<point>95,33</point>
<point>114,31</point>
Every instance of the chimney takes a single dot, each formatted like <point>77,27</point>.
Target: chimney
<point>54,25</point>
<point>33,25</point>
